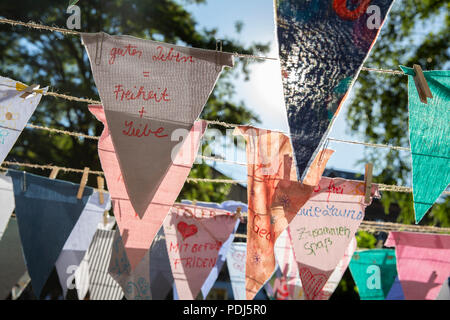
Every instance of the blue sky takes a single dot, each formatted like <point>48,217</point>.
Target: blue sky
<point>263,93</point>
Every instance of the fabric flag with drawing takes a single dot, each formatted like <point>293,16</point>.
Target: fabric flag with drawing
<point>14,112</point>
<point>236,268</point>
<point>47,211</point>
<point>152,93</point>
<point>284,254</point>
<point>322,46</point>
<point>396,292</point>
<point>374,272</point>
<point>80,238</point>
<point>6,200</point>
<point>231,206</point>
<point>423,262</point>
<point>274,197</point>
<point>323,229</point>
<point>194,237</point>
<point>139,233</point>
<point>92,275</point>
<point>429,135</point>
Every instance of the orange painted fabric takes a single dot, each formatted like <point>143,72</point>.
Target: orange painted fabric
<point>137,234</point>
<point>274,198</point>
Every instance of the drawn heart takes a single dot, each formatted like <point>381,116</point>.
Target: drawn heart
<point>312,283</point>
<point>186,230</point>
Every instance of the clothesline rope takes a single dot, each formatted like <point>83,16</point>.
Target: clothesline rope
<point>381,187</point>
<point>64,31</point>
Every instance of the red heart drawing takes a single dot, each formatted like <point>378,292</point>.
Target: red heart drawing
<point>186,230</point>
<point>312,283</point>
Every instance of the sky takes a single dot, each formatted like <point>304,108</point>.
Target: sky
<point>263,94</point>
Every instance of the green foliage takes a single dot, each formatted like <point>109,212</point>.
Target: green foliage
<point>366,240</point>
<point>60,61</point>
<point>417,31</point>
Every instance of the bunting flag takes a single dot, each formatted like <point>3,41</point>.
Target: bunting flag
<point>92,276</point>
<point>152,93</point>
<point>322,47</point>
<point>6,200</point>
<point>15,112</point>
<point>444,294</point>
<point>80,238</point>
<point>396,292</point>
<point>374,272</point>
<point>323,229</point>
<point>274,198</point>
<point>429,135</point>
<point>12,264</point>
<point>284,253</point>
<point>236,268</point>
<point>230,206</point>
<point>138,233</point>
<point>194,237</point>
<point>423,262</point>
<point>47,211</point>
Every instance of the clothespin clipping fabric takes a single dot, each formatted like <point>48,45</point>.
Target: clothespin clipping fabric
<point>83,182</point>
<point>421,84</point>
<point>101,186</point>
<point>368,182</point>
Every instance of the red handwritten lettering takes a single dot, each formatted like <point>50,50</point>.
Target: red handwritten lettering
<point>129,49</point>
<point>136,132</point>
<point>340,6</point>
<point>170,56</point>
<point>262,232</point>
<point>142,94</point>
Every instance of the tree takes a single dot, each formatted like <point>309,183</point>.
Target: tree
<point>60,61</point>
<point>418,31</point>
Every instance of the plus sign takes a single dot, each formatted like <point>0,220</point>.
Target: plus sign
<point>142,112</point>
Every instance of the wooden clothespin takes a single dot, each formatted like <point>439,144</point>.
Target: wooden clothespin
<point>29,90</point>
<point>368,182</point>
<point>421,84</point>
<point>238,214</point>
<point>105,218</point>
<point>194,203</point>
<point>100,186</point>
<point>83,182</point>
<point>54,173</point>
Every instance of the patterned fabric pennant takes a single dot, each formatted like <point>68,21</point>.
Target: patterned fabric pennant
<point>14,112</point>
<point>323,229</point>
<point>274,198</point>
<point>396,292</point>
<point>194,237</point>
<point>6,200</point>
<point>47,211</point>
<point>322,45</point>
<point>429,135</point>
<point>151,91</point>
<point>374,272</point>
<point>236,268</point>
<point>423,262</point>
<point>138,233</point>
<point>80,238</point>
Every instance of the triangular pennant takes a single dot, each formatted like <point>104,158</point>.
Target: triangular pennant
<point>194,237</point>
<point>274,198</point>
<point>15,112</point>
<point>236,268</point>
<point>322,48</point>
<point>374,272</point>
<point>151,91</point>
<point>423,262</point>
<point>429,133</point>
<point>6,200</point>
<point>138,233</point>
<point>444,294</point>
<point>284,253</point>
<point>79,240</point>
<point>47,211</point>
<point>396,292</point>
<point>230,206</point>
<point>323,229</point>
<point>92,275</point>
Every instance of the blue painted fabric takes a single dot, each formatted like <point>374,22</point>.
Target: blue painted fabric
<point>396,292</point>
<point>322,46</point>
<point>47,211</point>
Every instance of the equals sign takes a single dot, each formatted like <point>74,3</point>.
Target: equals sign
<point>146,74</point>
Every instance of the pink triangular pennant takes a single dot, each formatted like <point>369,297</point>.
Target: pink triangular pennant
<point>323,229</point>
<point>150,90</point>
<point>137,234</point>
<point>194,236</point>
<point>423,263</point>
